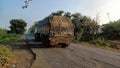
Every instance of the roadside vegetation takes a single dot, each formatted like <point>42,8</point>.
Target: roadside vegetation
<point>6,38</point>
<point>6,56</point>
<point>17,29</point>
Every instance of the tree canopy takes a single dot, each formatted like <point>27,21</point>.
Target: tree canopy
<point>17,26</point>
<point>32,28</point>
<point>58,13</point>
<point>112,30</point>
<point>85,27</point>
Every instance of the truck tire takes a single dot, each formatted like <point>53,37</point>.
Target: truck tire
<point>64,45</point>
<point>37,37</point>
<point>45,42</point>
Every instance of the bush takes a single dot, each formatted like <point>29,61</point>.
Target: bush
<point>112,30</point>
<point>101,41</point>
<point>8,39</point>
<point>6,55</point>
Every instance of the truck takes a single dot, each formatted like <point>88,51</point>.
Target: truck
<point>55,30</point>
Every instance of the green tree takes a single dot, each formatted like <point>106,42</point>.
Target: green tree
<point>32,28</point>
<point>85,27</point>
<point>112,30</point>
<point>2,33</point>
<point>61,13</point>
<point>58,13</point>
<point>67,14</point>
<point>90,28</point>
<point>17,26</point>
<point>76,19</point>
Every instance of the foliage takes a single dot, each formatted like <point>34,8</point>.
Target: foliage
<point>6,38</point>
<point>61,13</point>
<point>101,41</point>
<point>5,55</point>
<point>67,14</point>
<point>17,26</point>
<point>26,3</point>
<point>112,30</point>
<point>32,28</point>
<point>2,32</point>
<point>85,27</point>
<point>58,13</point>
<point>78,25</point>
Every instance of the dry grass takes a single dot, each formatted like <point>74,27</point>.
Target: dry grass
<point>6,56</point>
<point>99,46</point>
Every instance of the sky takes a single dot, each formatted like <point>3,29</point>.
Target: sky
<point>105,10</point>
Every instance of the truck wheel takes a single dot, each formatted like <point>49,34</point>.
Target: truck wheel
<point>46,43</point>
<point>64,45</point>
<point>37,37</point>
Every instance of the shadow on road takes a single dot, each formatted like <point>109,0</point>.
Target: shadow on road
<point>27,44</point>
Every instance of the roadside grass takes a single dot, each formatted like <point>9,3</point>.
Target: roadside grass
<point>99,46</point>
<point>103,43</point>
<point>8,38</point>
<point>6,56</point>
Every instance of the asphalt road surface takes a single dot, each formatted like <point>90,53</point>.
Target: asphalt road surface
<point>74,56</point>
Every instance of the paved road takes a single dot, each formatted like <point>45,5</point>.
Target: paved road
<point>75,56</point>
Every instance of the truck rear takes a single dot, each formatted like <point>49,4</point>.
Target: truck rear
<point>56,30</point>
<point>61,31</point>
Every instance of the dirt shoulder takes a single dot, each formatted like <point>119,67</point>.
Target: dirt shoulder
<point>23,58</point>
